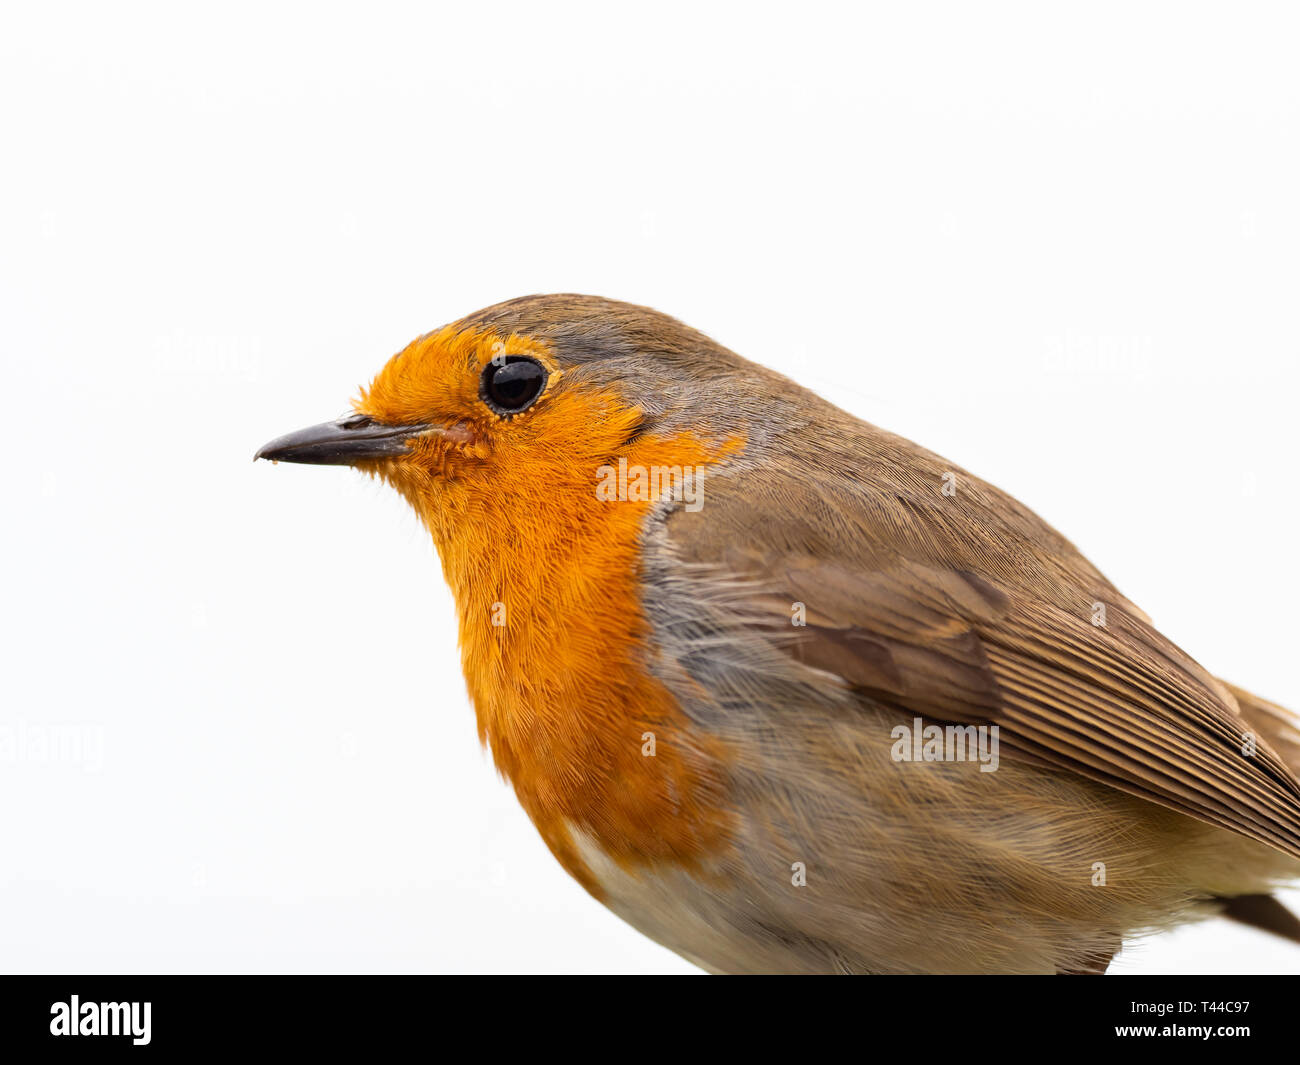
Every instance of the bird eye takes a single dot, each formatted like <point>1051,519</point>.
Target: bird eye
<point>510,386</point>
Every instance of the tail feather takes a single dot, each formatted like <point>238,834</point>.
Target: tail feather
<point>1265,913</point>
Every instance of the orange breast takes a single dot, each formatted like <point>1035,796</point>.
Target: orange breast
<point>547,581</point>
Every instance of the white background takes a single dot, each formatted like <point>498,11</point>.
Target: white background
<point>1059,249</point>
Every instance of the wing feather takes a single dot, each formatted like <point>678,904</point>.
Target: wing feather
<point>983,615</point>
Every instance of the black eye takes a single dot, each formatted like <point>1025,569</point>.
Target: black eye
<point>511,385</point>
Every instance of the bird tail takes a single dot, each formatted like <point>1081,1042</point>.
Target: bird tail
<point>1280,729</point>
<point>1265,913</point>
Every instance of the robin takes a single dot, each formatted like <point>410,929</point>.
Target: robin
<point>789,693</point>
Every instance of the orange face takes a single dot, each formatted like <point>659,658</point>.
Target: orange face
<point>502,449</point>
<point>438,379</point>
<point>553,443</point>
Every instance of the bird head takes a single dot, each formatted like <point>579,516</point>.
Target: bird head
<point>520,405</point>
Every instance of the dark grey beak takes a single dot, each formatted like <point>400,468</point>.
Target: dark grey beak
<point>342,443</point>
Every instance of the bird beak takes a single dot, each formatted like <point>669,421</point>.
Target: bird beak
<point>349,440</point>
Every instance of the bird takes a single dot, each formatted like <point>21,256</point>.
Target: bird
<point>789,693</point>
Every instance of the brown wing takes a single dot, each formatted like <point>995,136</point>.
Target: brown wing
<point>977,612</point>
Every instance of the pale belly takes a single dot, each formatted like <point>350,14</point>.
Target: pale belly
<point>932,869</point>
